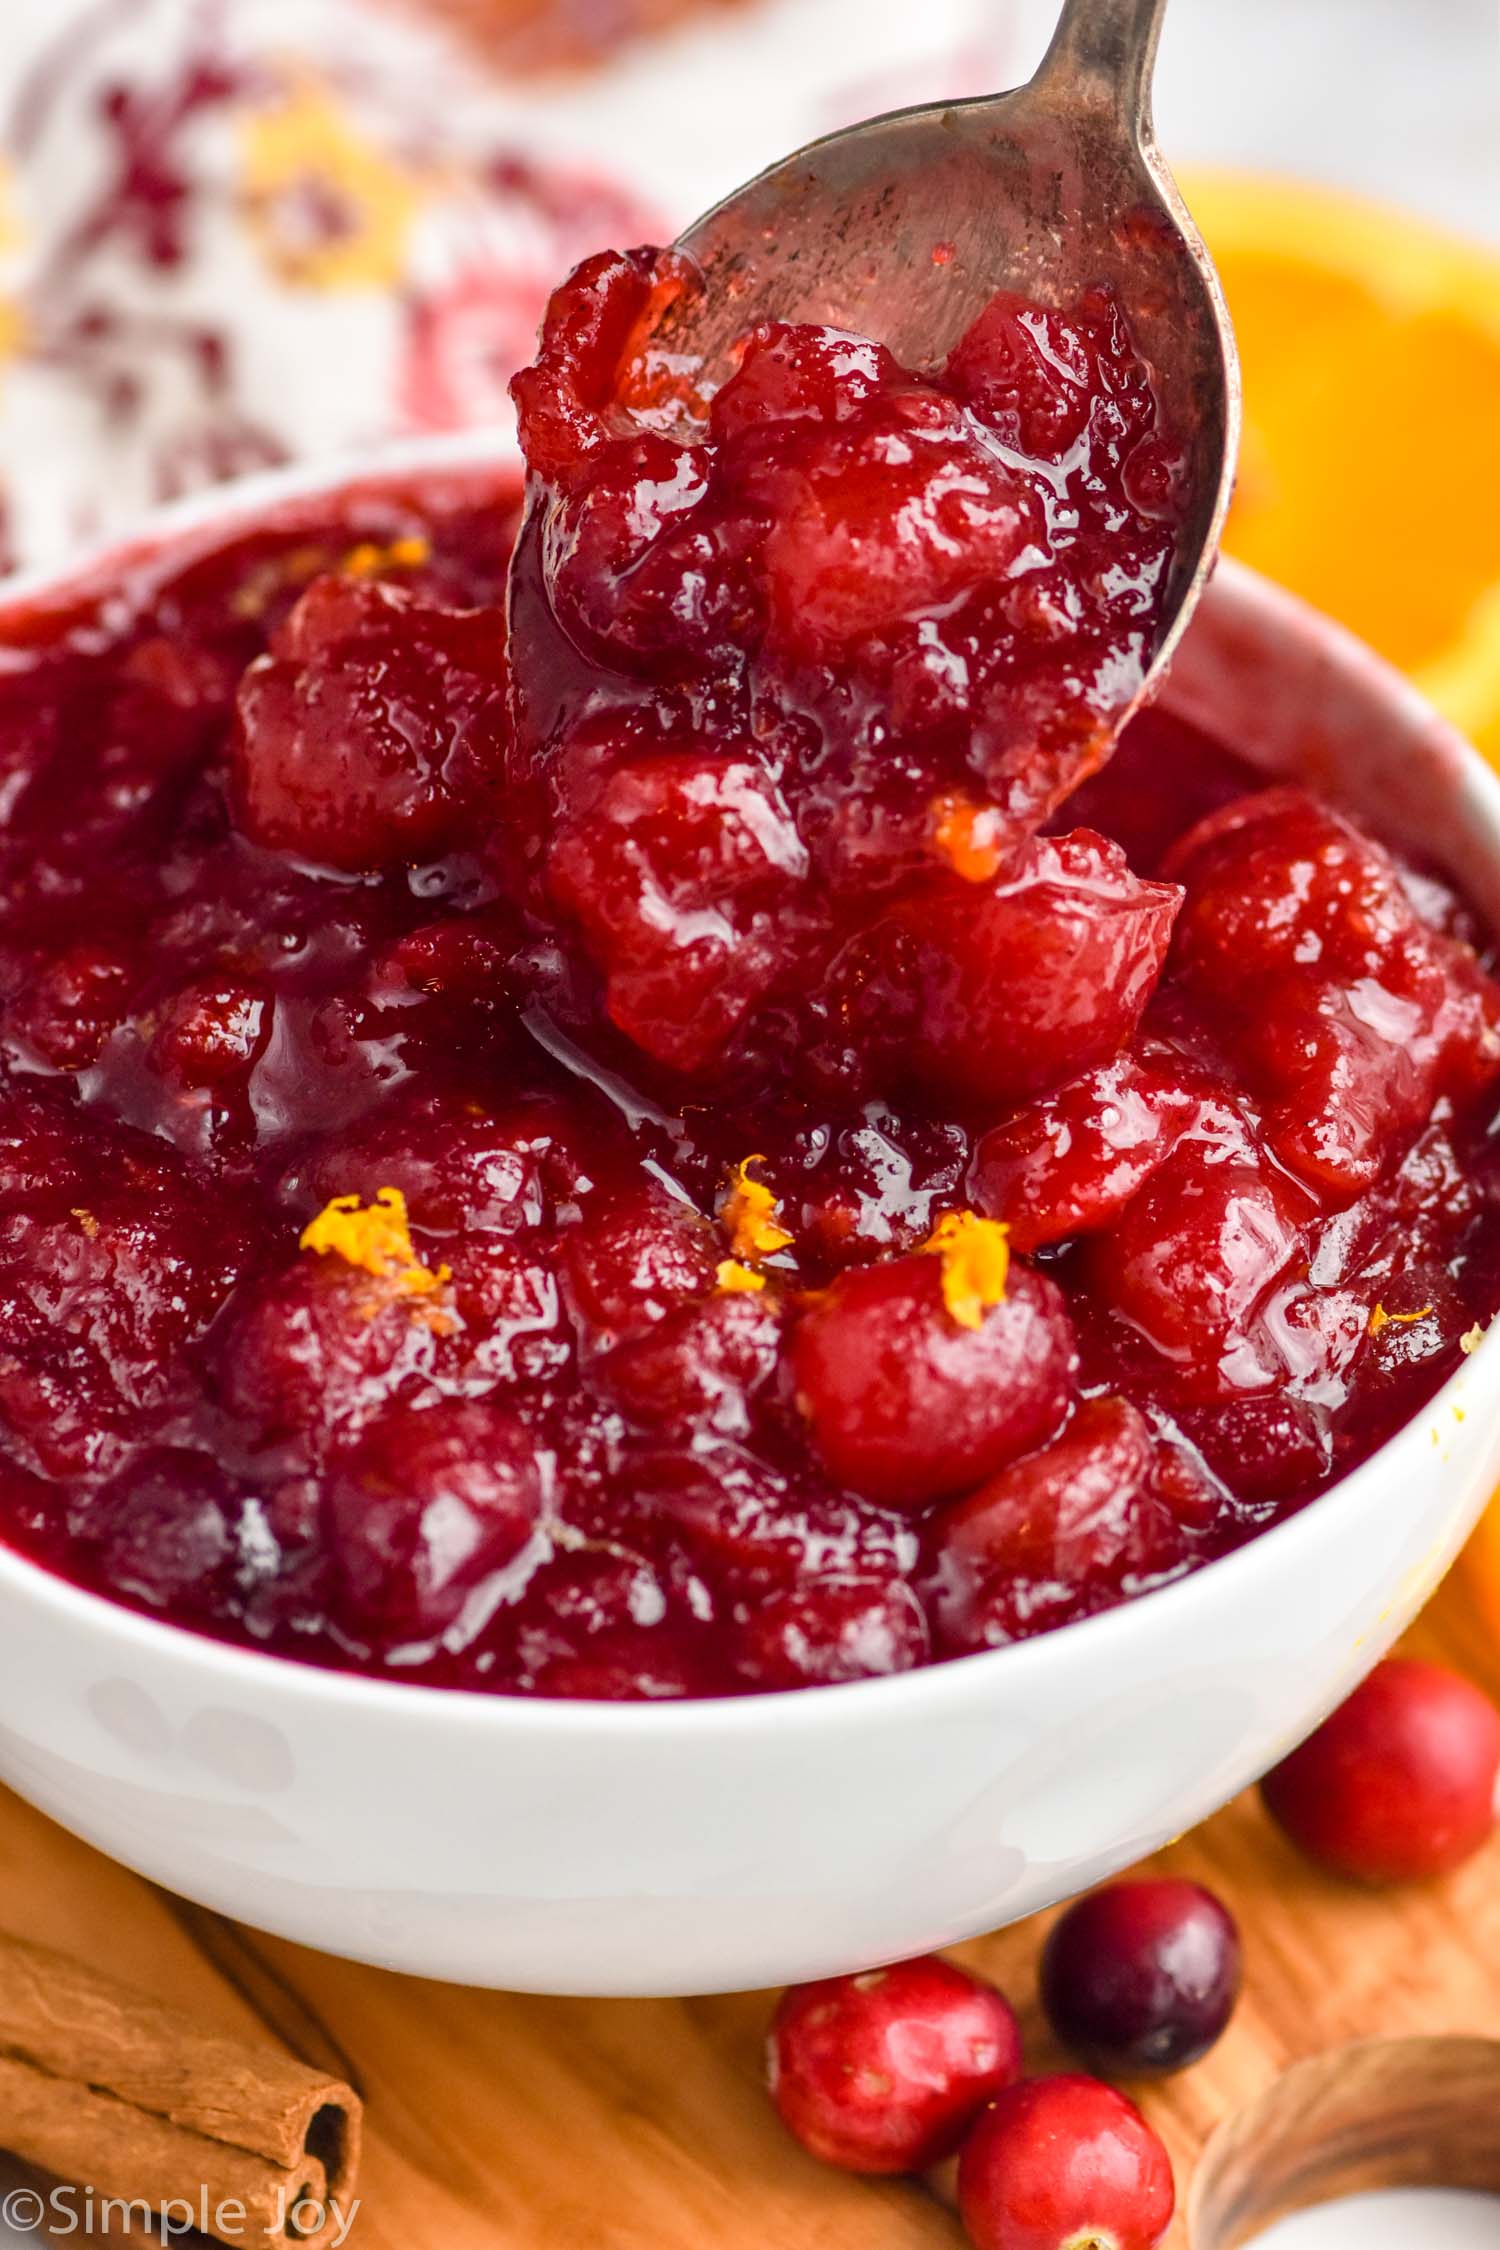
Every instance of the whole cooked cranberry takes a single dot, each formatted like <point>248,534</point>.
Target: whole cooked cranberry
<point>1003,991</point>
<point>882,2072</point>
<point>1063,1531</point>
<point>67,1007</point>
<point>705,1362</point>
<point>461,1166</point>
<point>757,1531</point>
<point>1193,1264</point>
<point>876,519</point>
<point>1064,2163</point>
<point>636,1258</point>
<point>1070,1164</point>
<point>1401,1783</point>
<point>832,1629</point>
<point>161,1532</point>
<point>905,1404</point>
<point>309,1352</point>
<point>432,1500</point>
<point>1141,1978</point>
<point>375,723</point>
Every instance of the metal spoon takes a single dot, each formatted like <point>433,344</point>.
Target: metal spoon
<point>904,227</point>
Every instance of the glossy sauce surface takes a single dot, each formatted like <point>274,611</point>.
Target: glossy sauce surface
<point>504,1153</point>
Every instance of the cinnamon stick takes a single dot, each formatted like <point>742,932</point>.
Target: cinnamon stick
<point>105,2087</point>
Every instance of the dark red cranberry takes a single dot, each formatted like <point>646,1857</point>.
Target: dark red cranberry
<point>704,1363</point>
<point>830,1630</point>
<point>1192,1265</point>
<point>374,724</point>
<point>311,1351</point>
<point>877,519</point>
<point>1401,1783</point>
<point>1059,1533</point>
<point>882,2072</point>
<point>1064,2163</point>
<point>636,1259</point>
<point>1348,1013</point>
<point>680,874</point>
<point>162,1533</point>
<point>1140,1979</point>
<point>904,1404</point>
<point>432,1501</point>
<point>1070,1164</point>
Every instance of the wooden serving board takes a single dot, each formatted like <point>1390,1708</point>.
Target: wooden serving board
<point>503,2122</point>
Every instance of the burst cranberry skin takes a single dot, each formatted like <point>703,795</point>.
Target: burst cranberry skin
<point>680,875</point>
<point>1062,2164</point>
<point>904,1405</point>
<point>883,2072</point>
<point>1348,1013</point>
<point>876,523</point>
<point>431,1501</point>
<point>367,732</point>
<point>1401,1784</point>
<point>1141,1978</point>
<point>1015,988</point>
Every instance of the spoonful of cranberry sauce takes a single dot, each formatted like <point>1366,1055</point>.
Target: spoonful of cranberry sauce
<point>859,522</point>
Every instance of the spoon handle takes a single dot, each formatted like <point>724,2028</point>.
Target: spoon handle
<point>1102,54</point>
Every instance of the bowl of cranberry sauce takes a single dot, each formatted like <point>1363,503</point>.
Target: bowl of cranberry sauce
<point>618,1100</point>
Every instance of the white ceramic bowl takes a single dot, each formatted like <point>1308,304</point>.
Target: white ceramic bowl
<point>597,1848</point>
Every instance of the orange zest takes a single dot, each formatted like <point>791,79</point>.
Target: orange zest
<point>1380,1318</point>
<point>375,1237</point>
<point>967,836</point>
<point>976,1261</point>
<point>736,1280</point>
<point>749,1214</point>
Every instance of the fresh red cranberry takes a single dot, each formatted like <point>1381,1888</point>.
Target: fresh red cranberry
<point>1002,992</point>
<point>430,1502</point>
<point>1401,1784</point>
<point>1064,2163</point>
<point>883,2072</point>
<point>1141,1978</point>
<point>904,1404</point>
<point>376,722</point>
<point>1061,1532</point>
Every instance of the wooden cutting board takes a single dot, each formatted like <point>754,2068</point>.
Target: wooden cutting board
<point>502,2120</point>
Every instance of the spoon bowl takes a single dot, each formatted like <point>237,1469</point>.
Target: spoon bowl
<point>903,228</point>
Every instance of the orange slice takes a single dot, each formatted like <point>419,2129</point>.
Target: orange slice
<point>1370,475</point>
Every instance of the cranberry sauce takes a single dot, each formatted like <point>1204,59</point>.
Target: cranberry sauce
<point>686,1172</point>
